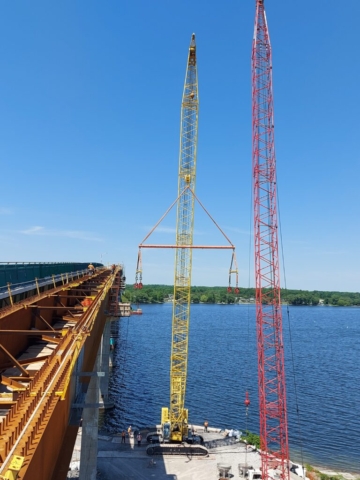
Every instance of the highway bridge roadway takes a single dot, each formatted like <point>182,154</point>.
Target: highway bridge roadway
<point>49,345</point>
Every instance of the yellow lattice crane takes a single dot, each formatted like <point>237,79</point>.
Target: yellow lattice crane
<point>174,419</point>
<point>176,416</point>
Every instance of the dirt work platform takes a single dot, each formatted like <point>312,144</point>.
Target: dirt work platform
<point>129,461</point>
<point>126,461</point>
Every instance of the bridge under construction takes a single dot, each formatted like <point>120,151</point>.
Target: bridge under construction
<point>50,344</point>
<point>54,341</point>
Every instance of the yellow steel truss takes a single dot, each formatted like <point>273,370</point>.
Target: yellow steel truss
<point>183,256</point>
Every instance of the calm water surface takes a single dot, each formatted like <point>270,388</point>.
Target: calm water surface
<point>223,365</point>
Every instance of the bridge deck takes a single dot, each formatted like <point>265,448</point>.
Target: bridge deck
<point>41,340</point>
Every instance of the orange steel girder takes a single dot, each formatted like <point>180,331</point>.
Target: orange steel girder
<point>38,418</point>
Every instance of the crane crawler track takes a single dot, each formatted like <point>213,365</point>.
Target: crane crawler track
<point>176,449</point>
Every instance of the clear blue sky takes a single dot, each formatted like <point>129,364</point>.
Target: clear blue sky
<point>90,96</point>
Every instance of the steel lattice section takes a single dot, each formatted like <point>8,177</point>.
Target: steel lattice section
<point>184,236</point>
<point>272,391</point>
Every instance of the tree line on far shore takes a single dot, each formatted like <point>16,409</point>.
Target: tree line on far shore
<point>164,293</point>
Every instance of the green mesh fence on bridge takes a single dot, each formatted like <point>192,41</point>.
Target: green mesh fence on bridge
<point>20,272</point>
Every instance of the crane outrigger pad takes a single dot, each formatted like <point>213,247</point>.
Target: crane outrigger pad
<point>176,449</point>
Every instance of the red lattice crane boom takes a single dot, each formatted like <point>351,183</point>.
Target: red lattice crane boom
<point>271,372</point>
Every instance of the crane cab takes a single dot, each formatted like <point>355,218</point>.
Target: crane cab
<point>174,432</point>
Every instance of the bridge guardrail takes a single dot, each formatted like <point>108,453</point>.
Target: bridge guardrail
<point>10,290</point>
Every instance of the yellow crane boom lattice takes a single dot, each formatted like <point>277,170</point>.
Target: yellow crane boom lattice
<point>183,256</point>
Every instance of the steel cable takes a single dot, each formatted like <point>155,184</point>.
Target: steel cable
<point>290,341</point>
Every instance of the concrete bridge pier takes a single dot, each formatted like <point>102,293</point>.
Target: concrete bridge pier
<point>105,360</point>
<point>97,396</point>
<point>90,423</point>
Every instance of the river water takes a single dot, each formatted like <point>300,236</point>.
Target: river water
<point>323,367</point>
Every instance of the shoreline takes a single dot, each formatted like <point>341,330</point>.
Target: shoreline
<point>284,304</point>
<point>348,473</point>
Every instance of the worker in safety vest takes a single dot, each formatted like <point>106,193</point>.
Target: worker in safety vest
<point>91,269</point>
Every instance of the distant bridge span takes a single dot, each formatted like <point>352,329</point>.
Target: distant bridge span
<point>49,344</point>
